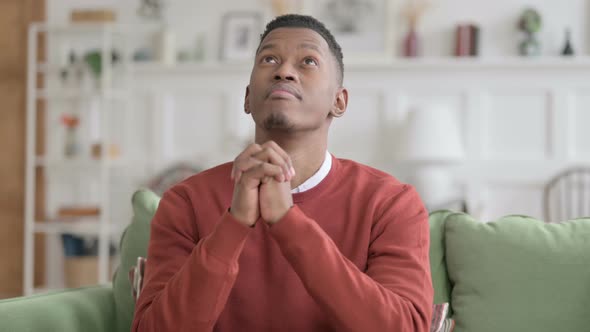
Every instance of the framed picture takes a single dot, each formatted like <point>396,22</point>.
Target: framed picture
<point>363,28</point>
<point>240,34</point>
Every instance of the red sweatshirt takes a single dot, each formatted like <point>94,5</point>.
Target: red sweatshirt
<point>350,255</point>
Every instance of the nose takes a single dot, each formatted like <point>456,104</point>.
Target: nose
<point>285,72</point>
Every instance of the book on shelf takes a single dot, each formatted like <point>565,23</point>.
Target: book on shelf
<point>78,211</point>
<point>467,38</point>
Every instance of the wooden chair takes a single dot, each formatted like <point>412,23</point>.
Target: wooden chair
<point>567,195</point>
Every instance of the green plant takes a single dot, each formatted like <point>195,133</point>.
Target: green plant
<point>530,21</point>
<point>94,60</point>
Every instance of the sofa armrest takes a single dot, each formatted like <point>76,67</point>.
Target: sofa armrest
<point>90,309</point>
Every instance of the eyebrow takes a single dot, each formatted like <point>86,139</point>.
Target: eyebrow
<point>300,46</point>
<point>311,47</point>
<point>266,47</point>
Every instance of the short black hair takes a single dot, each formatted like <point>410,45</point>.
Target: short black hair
<point>309,22</point>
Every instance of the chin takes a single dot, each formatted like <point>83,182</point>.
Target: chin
<point>278,120</point>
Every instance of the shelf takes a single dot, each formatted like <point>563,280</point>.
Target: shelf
<point>105,94</point>
<point>87,227</point>
<point>80,226</point>
<point>112,28</point>
<point>81,163</point>
<point>80,94</point>
<point>510,62</point>
<point>54,69</point>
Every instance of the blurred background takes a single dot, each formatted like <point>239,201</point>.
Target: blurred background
<point>483,106</point>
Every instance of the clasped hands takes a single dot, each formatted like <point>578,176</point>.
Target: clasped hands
<point>262,184</point>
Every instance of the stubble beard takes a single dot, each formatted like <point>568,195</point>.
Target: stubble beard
<point>278,121</point>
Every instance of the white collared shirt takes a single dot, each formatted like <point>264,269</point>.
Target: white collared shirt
<point>315,179</point>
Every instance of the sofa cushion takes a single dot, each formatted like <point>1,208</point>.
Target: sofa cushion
<point>134,243</point>
<point>518,274</point>
<point>89,309</point>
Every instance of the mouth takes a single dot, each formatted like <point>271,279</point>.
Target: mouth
<point>283,91</point>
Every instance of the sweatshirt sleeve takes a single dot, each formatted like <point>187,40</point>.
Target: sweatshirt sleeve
<point>187,281</point>
<point>394,294</point>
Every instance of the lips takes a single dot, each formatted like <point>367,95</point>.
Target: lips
<point>283,90</point>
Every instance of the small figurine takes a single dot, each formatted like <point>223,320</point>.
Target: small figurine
<point>568,49</point>
<point>530,23</point>
<point>151,9</point>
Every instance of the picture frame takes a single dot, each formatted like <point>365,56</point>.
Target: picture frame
<point>240,34</point>
<point>363,28</point>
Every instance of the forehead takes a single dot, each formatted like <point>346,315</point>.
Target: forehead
<point>294,36</point>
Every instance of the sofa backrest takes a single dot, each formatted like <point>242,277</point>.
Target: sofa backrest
<point>134,243</point>
<point>513,274</point>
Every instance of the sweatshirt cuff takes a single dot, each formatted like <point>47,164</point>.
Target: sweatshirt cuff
<point>227,239</point>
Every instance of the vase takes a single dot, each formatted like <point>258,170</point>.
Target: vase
<point>568,49</point>
<point>71,146</point>
<point>411,43</point>
<point>530,46</point>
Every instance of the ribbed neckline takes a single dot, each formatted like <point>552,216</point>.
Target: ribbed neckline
<point>331,177</point>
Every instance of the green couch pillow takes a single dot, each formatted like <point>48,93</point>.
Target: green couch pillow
<point>134,243</point>
<point>518,274</point>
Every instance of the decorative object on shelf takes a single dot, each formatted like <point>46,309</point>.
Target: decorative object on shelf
<point>93,60</point>
<point>165,46</point>
<point>183,56</point>
<point>72,74</point>
<point>240,33</point>
<point>467,40</point>
<point>282,7</point>
<point>73,245</point>
<point>363,28</point>
<point>93,16</point>
<point>413,11</point>
<point>432,143</point>
<point>81,260</point>
<point>199,52</point>
<point>530,23</point>
<point>143,54</point>
<point>568,49</point>
<point>113,152</point>
<point>151,9</point>
<point>71,146</point>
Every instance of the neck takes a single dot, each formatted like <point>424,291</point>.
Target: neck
<point>307,151</point>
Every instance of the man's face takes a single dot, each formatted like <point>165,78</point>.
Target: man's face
<point>294,82</point>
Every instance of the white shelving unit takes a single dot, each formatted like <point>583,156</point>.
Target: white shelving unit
<point>112,98</point>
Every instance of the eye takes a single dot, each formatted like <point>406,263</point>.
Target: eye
<point>269,59</point>
<point>310,62</point>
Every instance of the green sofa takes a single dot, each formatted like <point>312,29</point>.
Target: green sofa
<point>513,274</point>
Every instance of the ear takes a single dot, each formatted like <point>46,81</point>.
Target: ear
<point>247,100</point>
<point>340,103</point>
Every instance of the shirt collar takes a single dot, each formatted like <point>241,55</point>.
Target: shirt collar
<point>315,179</point>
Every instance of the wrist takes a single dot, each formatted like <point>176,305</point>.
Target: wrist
<point>278,217</point>
<point>242,219</point>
